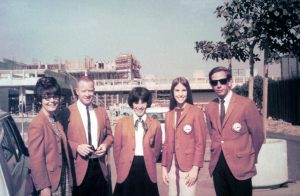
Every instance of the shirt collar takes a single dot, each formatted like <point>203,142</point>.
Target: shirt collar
<point>135,117</point>
<point>82,106</point>
<point>227,97</point>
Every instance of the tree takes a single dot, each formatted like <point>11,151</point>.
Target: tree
<point>257,90</point>
<point>246,24</point>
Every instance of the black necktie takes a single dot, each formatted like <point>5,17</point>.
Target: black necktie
<point>222,111</point>
<point>89,126</point>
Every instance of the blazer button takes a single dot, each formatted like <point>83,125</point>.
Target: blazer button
<point>222,142</point>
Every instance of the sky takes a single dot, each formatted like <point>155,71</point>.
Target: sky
<point>160,34</point>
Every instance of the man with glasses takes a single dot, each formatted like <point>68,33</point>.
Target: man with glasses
<point>236,131</point>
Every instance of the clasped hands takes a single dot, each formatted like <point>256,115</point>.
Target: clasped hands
<point>86,150</point>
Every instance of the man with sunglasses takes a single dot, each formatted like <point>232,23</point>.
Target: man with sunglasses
<point>236,131</point>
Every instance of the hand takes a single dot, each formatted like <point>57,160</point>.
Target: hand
<point>84,149</point>
<point>101,150</point>
<point>45,192</point>
<point>192,176</point>
<point>165,175</point>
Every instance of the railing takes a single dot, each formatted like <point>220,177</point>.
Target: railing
<point>16,78</point>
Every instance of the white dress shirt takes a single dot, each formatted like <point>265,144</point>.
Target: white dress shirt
<point>139,135</point>
<point>94,122</point>
<point>226,101</point>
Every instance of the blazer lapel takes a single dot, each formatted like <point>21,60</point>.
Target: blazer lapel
<point>184,113</point>
<point>216,117</point>
<point>231,106</point>
<point>79,122</point>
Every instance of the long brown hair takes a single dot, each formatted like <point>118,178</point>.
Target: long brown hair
<point>186,84</point>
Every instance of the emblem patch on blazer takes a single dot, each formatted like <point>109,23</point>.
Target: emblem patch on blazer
<point>187,128</point>
<point>236,127</point>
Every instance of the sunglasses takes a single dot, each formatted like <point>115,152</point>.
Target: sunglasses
<point>48,97</point>
<point>215,82</point>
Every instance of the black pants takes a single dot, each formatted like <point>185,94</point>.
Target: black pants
<point>94,183</point>
<point>226,184</point>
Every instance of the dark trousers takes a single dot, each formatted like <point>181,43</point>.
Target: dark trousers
<point>94,183</point>
<point>226,184</point>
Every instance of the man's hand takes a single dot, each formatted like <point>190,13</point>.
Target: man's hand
<point>101,150</point>
<point>84,150</point>
<point>46,192</point>
<point>192,176</point>
<point>165,175</point>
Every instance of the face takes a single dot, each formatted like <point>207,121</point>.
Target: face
<point>50,104</point>
<point>180,94</point>
<point>216,83</point>
<point>85,91</point>
<point>139,108</point>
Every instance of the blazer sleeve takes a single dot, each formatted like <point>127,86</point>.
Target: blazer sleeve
<point>158,140</point>
<point>200,138</point>
<point>117,145</point>
<point>37,158</point>
<point>109,137</point>
<point>165,144</point>
<point>255,126</point>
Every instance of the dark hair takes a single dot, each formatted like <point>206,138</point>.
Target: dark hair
<point>46,86</point>
<point>139,93</point>
<point>218,69</point>
<point>186,84</point>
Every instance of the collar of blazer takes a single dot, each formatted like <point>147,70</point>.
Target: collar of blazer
<point>186,109</point>
<point>46,122</point>
<point>132,128</point>
<point>232,105</point>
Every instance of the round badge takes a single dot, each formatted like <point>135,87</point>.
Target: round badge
<point>236,127</point>
<point>187,128</point>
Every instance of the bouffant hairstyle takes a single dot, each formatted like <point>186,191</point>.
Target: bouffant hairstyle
<point>140,93</point>
<point>46,86</point>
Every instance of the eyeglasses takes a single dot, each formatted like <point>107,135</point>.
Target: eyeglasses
<point>49,97</point>
<point>215,82</point>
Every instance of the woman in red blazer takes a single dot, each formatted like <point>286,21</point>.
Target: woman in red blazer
<point>137,144</point>
<point>47,143</point>
<point>184,146</point>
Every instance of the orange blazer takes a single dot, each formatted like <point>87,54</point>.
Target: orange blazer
<point>240,137</point>
<point>188,138</point>
<point>45,153</point>
<point>76,135</point>
<point>124,146</point>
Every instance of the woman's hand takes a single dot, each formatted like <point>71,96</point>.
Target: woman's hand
<point>165,175</point>
<point>45,192</point>
<point>192,176</point>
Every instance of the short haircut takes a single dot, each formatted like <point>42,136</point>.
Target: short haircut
<point>140,93</point>
<point>218,69</point>
<point>85,79</point>
<point>46,86</point>
<point>185,83</point>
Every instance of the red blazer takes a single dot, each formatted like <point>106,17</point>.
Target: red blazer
<point>240,137</point>
<point>188,137</point>
<point>124,146</point>
<point>76,135</point>
<point>46,153</point>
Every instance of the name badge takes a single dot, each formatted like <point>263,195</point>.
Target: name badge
<point>187,128</point>
<point>236,127</point>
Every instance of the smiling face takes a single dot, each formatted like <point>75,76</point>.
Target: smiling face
<point>216,83</point>
<point>139,108</point>
<point>49,104</point>
<point>85,91</point>
<point>180,94</point>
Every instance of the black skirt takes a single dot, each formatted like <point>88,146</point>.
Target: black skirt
<point>137,182</point>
